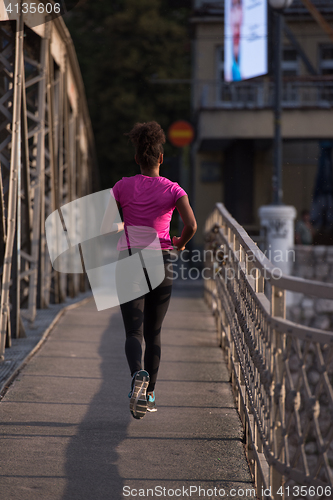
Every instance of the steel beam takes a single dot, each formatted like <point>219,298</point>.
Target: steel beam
<point>47,159</point>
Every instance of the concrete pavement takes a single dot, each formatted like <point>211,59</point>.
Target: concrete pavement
<point>22,348</point>
<point>66,429</point>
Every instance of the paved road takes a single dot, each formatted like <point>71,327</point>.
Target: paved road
<point>66,430</point>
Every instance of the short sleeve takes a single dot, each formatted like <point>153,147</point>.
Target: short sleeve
<point>116,190</point>
<point>178,191</point>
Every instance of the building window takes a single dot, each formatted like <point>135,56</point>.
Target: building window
<point>210,171</point>
<point>220,63</point>
<point>326,59</point>
<point>251,93</point>
<point>234,94</point>
<point>290,62</point>
<point>290,67</point>
<point>223,90</point>
<point>326,68</point>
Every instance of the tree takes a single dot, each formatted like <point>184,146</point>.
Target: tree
<point>122,46</point>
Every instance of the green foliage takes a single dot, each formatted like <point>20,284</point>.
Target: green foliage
<point>121,47</point>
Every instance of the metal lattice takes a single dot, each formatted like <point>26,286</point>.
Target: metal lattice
<point>282,372</point>
<point>47,159</point>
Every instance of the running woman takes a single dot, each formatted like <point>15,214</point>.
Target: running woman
<point>148,199</point>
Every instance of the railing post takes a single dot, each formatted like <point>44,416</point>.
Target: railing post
<point>260,282</point>
<point>278,302</point>
<point>236,247</point>
<point>230,236</point>
<point>278,305</point>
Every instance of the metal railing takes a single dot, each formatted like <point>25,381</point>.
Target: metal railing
<point>260,95</point>
<point>286,412</point>
<point>47,159</point>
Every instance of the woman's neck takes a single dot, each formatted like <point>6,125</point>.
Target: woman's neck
<point>152,172</point>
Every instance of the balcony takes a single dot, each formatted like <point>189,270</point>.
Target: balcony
<point>297,94</point>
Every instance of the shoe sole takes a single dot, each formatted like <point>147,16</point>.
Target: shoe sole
<point>138,402</point>
<point>151,410</point>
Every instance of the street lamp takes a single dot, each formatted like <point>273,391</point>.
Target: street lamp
<point>278,6</point>
<point>277,220</point>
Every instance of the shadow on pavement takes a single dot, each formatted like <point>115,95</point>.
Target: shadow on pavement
<point>91,456</point>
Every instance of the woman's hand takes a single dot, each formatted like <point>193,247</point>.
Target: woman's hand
<point>117,227</point>
<point>190,224</point>
<point>111,214</point>
<point>176,242</point>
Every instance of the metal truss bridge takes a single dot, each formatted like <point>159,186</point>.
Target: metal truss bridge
<point>47,159</point>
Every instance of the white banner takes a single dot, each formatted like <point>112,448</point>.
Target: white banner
<point>245,39</point>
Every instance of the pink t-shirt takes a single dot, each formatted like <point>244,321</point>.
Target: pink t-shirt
<point>147,201</point>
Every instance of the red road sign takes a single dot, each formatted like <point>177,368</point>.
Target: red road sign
<point>181,133</point>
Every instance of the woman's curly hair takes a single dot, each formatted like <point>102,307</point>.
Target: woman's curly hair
<point>147,139</point>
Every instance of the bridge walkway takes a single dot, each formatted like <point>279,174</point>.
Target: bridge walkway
<point>67,433</point>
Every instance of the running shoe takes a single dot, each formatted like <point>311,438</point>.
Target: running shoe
<point>138,394</point>
<point>151,402</point>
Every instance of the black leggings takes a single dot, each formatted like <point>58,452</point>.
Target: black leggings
<point>143,319</point>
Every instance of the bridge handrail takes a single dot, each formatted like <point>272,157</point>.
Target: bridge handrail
<point>281,371</point>
<point>291,283</point>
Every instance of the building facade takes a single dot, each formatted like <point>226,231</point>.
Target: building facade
<point>233,152</point>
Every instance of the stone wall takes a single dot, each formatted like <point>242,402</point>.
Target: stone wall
<point>314,263</point>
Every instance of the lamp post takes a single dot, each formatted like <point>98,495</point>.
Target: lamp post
<point>278,6</point>
<point>277,220</point>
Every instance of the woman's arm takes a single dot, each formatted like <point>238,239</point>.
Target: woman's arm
<point>111,212</point>
<point>190,224</point>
